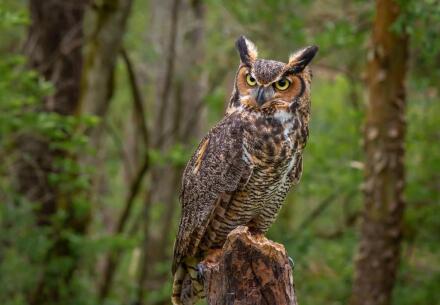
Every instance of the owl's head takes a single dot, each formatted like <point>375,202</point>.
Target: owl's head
<point>268,85</point>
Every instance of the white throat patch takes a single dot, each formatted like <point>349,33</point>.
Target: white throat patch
<point>282,116</point>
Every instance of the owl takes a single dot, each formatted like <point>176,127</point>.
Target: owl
<point>244,167</point>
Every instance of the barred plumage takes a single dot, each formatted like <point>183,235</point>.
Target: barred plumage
<point>244,167</point>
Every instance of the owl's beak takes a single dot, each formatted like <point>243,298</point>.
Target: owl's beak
<point>263,94</point>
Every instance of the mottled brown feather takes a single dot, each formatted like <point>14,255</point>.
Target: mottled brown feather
<point>217,175</point>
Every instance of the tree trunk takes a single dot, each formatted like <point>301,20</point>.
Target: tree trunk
<point>178,34</point>
<point>249,270</point>
<point>377,259</point>
<point>107,22</point>
<point>53,47</point>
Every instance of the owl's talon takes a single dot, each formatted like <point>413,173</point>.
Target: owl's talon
<point>291,263</point>
<point>200,272</point>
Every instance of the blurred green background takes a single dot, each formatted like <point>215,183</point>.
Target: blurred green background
<point>319,222</point>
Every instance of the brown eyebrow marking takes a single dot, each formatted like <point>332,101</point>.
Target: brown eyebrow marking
<point>289,72</point>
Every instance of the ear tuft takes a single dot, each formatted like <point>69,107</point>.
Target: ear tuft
<point>300,59</point>
<point>247,50</point>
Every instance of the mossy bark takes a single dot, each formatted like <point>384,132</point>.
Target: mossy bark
<point>106,20</point>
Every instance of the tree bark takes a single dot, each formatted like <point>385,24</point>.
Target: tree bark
<point>249,270</point>
<point>379,250</point>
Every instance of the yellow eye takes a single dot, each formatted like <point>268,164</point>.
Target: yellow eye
<point>282,84</point>
<point>250,80</point>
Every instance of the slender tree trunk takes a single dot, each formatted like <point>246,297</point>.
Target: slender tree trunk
<point>107,22</point>
<point>165,21</point>
<point>105,27</point>
<point>177,33</point>
<point>378,254</point>
<point>53,47</point>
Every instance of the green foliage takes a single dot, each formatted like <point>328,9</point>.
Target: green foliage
<point>177,155</point>
<point>421,21</point>
<point>25,247</point>
<point>17,222</point>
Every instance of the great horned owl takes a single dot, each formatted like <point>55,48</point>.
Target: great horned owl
<point>243,168</point>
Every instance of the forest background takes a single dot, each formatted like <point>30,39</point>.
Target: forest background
<point>102,103</point>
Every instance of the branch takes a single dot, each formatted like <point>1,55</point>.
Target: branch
<point>169,72</point>
<point>250,269</point>
<point>321,207</point>
<point>317,211</point>
<point>114,257</point>
<point>138,99</point>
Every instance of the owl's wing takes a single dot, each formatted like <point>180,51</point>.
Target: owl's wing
<point>214,173</point>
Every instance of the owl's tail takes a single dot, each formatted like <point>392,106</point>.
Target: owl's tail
<point>187,287</point>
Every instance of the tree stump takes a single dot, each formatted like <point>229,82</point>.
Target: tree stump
<point>249,270</point>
